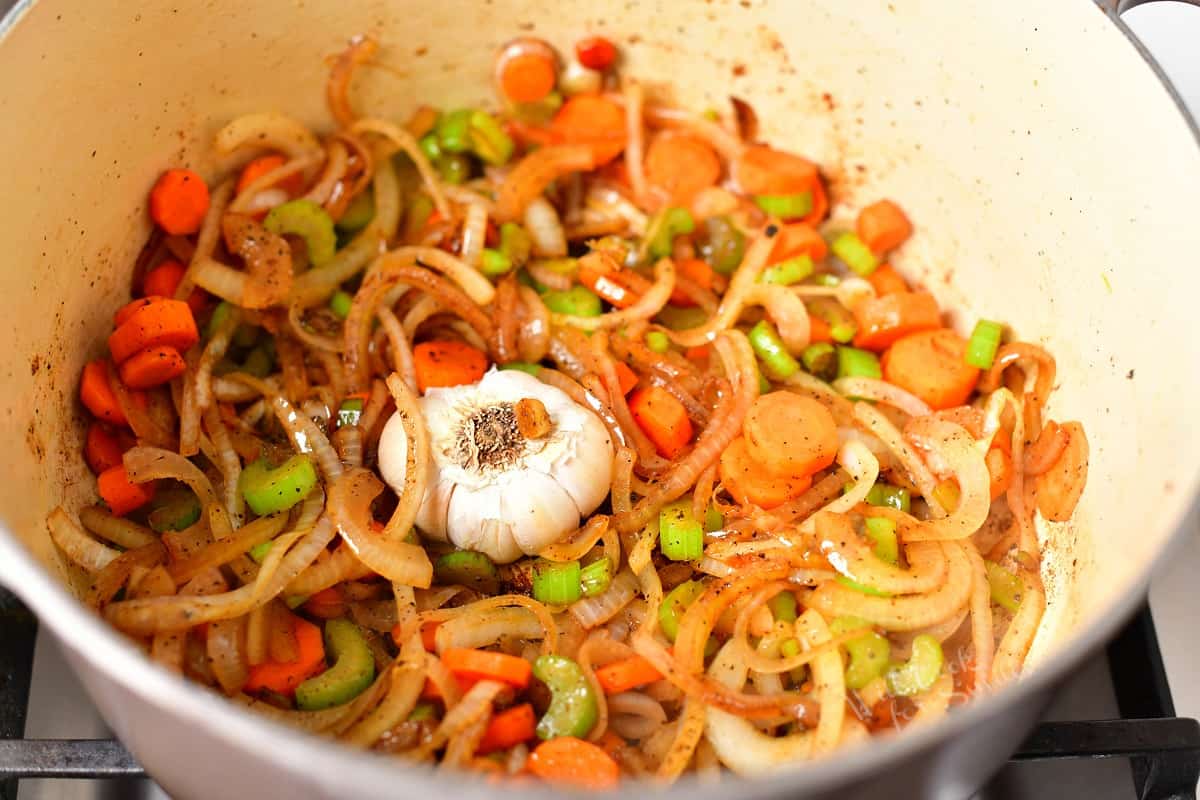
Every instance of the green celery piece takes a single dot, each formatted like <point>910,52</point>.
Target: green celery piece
<point>573,707</point>
<point>352,672</point>
<point>306,219</point>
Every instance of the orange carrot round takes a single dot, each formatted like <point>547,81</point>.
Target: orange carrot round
<point>326,604</point>
<point>790,435</point>
<point>883,320</point>
<point>163,280</point>
<point>799,239</point>
<point>750,483</point>
<point>931,366</point>
<point>447,363</point>
<point>121,494</point>
<point>886,280</point>
<point>1000,471</point>
<point>293,184</point>
<point>179,201</point>
<point>764,170</point>
<point>508,729</point>
<point>1060,487</point>
<point>681,165</point>
<point>574,762</point>
<point>282,677</point>
<point>626,377</point>
<point>593,120</point>
<point>151,367</point>
<point>883,226</point>
<point>129,309</point>
<point>662,418</point>
<point>487,665</point>
<point>527,77</point>
<point>98,396</point>
<point>625,674</point>
<point>162,322</point>
<point>102,450</point>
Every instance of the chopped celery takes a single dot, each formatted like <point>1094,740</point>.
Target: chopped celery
<point>306,219</point>
<point>454,168</point>
<point>467,568</point>
<point>422,712</point>
<point>1006,587</point>
<point>983,344</point>
<point>722,245</point>
<point>577,301</point>
<point>882,531</point>
<point>352,671</point>
<point>259,551</point>
<point>556,583</point>
<point>350,411</point>
<point>921,671</point>
<point>680,535</point>
<point>523,366</point>
<point>674,604</point>
<point>515,243</point>
<point>595,578</point>
<point>713,520</point>
<point>884,494</point>
<point>675,221</point>
<point>785,206</point>
<point>855,363</point>
<point>430,147</point>
<point>764,385</point>
<point>540,111</point>
<point>420,209</point>
<point>258,363</point>
<point>217,319</point>
<point>869,655</point>
<point>658,341</point>
<point>850,583</point>
<point>340,302</point>
<point>826,279</point>
<point>783,606</point>
<point>785,273</point>
<point>245,336</point>
<point>820,359</point>
<point>494,263</point>
<point>573,707</point>
<point>358,214</point>
<point>680,319</point>
<point>842,325</point>
<point>771,351</point>
<point>173,510</point>
<point>269,490</point>
<point>854,253</point>
<point>453,131</point>
<point>488,139</point>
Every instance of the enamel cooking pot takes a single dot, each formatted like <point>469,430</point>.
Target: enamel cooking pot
<point>1005,129</point>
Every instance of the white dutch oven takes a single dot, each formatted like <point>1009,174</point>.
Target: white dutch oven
<point>1005,129</point>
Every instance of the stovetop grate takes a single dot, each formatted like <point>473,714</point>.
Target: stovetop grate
<point>1163,750</point>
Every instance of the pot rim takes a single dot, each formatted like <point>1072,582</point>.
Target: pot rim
<point>328,763</point>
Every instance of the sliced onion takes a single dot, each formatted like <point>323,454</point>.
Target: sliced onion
<point>787,312</point>
<point>263,193</point>
<point>268,261</point>
<point>226,460</point>
<point>118,530</point>
<point>829,682</point>
<point>341,565</point>
<point>473,629</point>
<point>405,141</point>
<point>953,445</point>
<point>80,548</point>
<point>471,281</point>
<point>883,392</point>
<point>474,229</point>
<point>407,681</point>
<point>350,501</point>
<point>649,304</point>
<point>902,452</point>
<point>209,236</point>
<point>337,88</point>
<point>222,551</point>
<point>849,556</point>
<point>269,130</point>
<point>592,612</point>
<point>735,298</point>
<point>545,229</point>
<point>857,459</point>
<point>475,706</point>
<point>1018,637</point>
<point>150,463</point>
<point>982,637</point>
<point>305,435</point>
<point>534,335</point>
<point>635,139</point>
<point>226,656</point>
<point>533,173</point>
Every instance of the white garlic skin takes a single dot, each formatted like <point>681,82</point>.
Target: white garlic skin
<point>521,506</point>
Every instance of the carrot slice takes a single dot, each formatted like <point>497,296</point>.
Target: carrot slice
<point>617,287</point>
<point>151,367</point>
<point>662,418</point>
<point>790,435</point>
<point>749,482</point>
<point>121,494</point>
<point>527,77</point>
<point>164,279</point>
<point>447,363</point>
<point>1000,471</point>
<point>764,170</point>
<point>161,322</point>
<point>681,165</point>
<point>887,281</point>
<point>283,677</point>
<point>326,604</point>
<point>593,120</point>
<point>883,226</point>
<point>101,449</point>
<point>293,184</point>
<point>98,396</point>
<point>819,330</point>
<point>628,673</point>
<point>179,201</point>
<point>508,729</point>
<point>1059,488</point>
<point>626,377</point>
<point>574,762</point>
<point>930,365</point>
<point>798,239</point>
<point>883,320</point>
<point>698,272</point>
<point>486,665</point>
<point>820,203</point>
<point>132,307</point>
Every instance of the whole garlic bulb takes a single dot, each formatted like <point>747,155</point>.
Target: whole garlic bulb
<point>496,485</point>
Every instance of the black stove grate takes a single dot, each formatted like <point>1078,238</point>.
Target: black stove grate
<point>1163,750</point>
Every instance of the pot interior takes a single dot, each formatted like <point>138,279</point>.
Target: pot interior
<point>1003,131</point>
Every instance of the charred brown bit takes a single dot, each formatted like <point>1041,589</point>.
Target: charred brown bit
<point>533,421</point>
